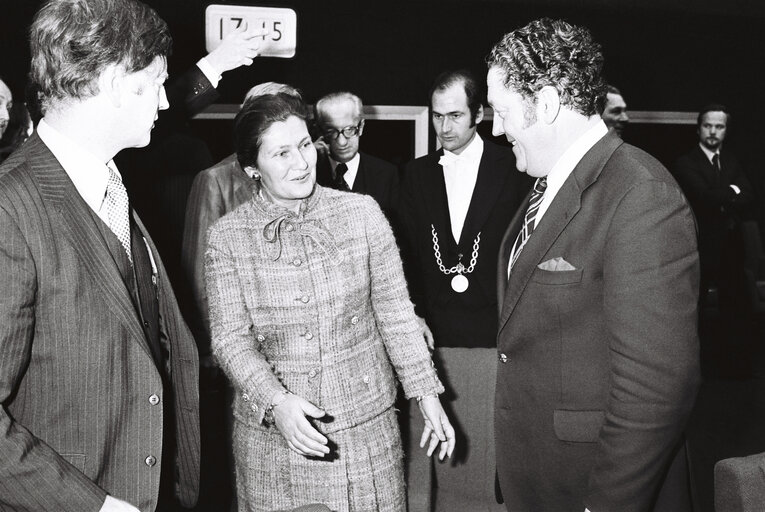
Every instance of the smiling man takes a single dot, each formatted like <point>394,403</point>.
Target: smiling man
<point>99,374</point>
<point>455,205</point>
<point>598,277</point>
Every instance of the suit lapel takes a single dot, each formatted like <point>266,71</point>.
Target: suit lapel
<point>562,210</point>
<point>492,174</point>
<point>360,183</point>
<point>434,190</point>
<point>80,229</point>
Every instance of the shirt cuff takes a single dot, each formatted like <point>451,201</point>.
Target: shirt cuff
<point>209,72</point>
<point>735,189</point>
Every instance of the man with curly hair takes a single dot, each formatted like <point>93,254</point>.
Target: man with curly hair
<point>598,282</point>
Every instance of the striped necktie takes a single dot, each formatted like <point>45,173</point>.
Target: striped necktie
<point>117,210</point>
<point>528,220</point>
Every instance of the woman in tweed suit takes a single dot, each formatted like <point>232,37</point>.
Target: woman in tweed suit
<point>310,317</point>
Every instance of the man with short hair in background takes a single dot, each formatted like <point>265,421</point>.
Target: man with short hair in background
<point>720,194</point>
<point>615,112</point>
<point>99,373</point>
<point>339,116</point>
<point>598,353</point>
<point>455,205</point>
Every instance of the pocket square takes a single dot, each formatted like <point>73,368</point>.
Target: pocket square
<point>556,265</point>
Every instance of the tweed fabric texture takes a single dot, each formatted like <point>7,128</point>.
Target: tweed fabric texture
<point>315,303</point>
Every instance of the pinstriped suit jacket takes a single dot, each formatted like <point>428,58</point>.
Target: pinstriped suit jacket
<point>76,372</point>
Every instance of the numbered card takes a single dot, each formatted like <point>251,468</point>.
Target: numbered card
<point>279,23</point>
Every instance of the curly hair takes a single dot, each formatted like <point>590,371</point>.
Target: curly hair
<point>553,53</point>
<point>73,41</point>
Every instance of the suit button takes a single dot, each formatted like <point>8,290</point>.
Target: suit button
<point>146,324</point>
<point>150,461</point>
<point>289,227</point>
<point>365,378</point>
<point>297,262</point>
<point>254,408</point>
<point>309,336</point>
<point>304,299</point>
<point>261,338</point>
<point>503,357</point>
<point>312,373</point>
<point>355,320</point>
<point>153,399</point>
<point>245,397</point>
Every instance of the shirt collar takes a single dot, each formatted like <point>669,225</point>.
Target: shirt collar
<point>88,174</point>
<point>473,151</point>
<point>571,157</point>
<point>709,152</point>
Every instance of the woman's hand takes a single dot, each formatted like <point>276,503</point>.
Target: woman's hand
<point>301,437</point>
<point>437,427</point>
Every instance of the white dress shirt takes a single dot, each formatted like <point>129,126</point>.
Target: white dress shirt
<point>88,174</point>
<point>460,175</point>
<point>353,169</point>
<point>566,164</point>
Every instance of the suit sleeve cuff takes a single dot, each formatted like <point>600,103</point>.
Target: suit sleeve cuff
<point>209,72</point>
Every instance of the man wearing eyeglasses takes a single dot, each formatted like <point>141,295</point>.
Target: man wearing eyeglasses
<point>338,116</point>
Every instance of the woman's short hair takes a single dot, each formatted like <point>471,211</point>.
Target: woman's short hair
<point>257,116</point>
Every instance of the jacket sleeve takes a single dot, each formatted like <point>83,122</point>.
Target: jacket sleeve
<point>393,311</point>
<point>233,342</point>
<point>650,293</point>
<point>33,476</point>
<point>203,208</point>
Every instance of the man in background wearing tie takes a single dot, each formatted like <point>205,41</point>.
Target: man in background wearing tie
<point>598,273</point>
<point>99,373</point>
<point>720,194</point>
<point>339,117</point>
<point>455,205</point>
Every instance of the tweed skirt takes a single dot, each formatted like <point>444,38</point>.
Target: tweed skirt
<point>364,474</point>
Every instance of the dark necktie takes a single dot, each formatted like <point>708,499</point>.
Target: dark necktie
<point>528,220</point>
<point>340,182</point>
<point>716,161</point>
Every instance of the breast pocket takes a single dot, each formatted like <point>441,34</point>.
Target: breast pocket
<point>557,277</point>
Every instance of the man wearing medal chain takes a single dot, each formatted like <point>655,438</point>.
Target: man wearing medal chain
<point>455,205</point>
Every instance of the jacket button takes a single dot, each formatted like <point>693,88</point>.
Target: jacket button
<point>297,262</point>
<point>261,338</point>
<point>503,357</point>
<point>254,408</point>
<point>304,299</point>
<point>245,397</point>
<point>312,373</point>
<point>289,227</point>
<point>309,335</point>
<point>365,378</point>
<point>153,399</point>
<point>355,320</point>
<point>150,461</point>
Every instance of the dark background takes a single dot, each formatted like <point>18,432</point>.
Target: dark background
<point>665,55</point>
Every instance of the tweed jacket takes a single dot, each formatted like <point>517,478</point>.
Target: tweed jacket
<point>314,303</point>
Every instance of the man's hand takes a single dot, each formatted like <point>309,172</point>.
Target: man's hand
<point>238,48</point>
<point>301,437</point>
<point>114,505</point>
<point>437,427</point>
<point>426,333</point>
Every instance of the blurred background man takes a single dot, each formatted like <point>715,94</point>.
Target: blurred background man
<point>615,112</point>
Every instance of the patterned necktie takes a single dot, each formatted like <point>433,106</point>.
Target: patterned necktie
<point>340,182</point>
<point>117,210</point>
<point>716,161</point>
<point>528,220</point>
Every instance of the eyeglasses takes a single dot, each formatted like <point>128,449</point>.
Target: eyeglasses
<point>348,132</point>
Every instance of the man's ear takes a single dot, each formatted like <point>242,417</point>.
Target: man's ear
<point>111,83</point>
<point>548,104</point>
<point>478,115</point>
<point>361,127</point>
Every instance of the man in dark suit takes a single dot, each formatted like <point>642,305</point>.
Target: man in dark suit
<point>598,276</point>
<point>455,206</point>
<point>344,167</point>
<point>99,373</point>
<point>720,194</point>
